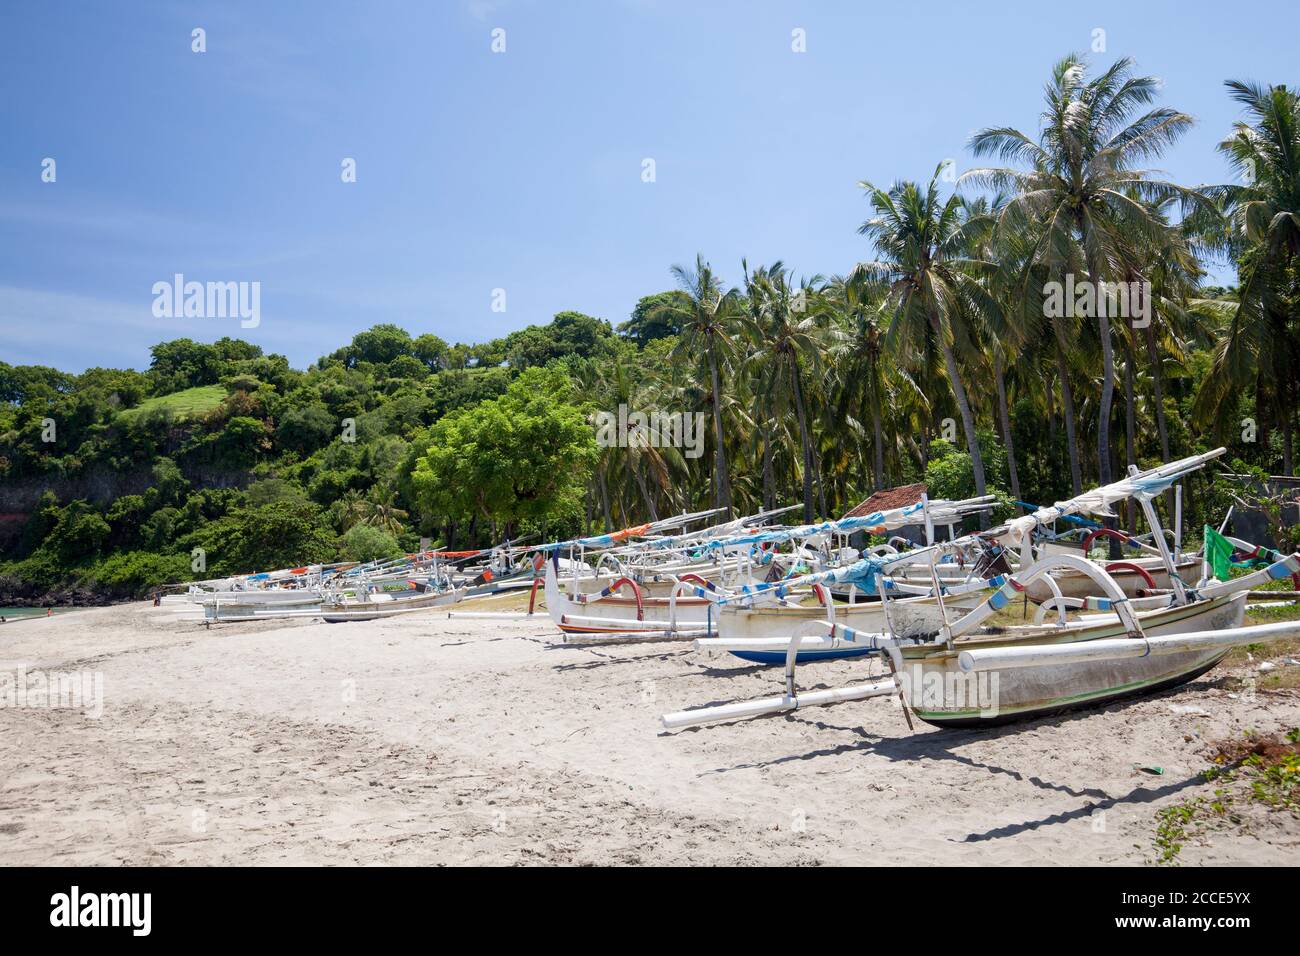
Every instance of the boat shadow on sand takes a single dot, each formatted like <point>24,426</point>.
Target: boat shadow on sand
<point>606,660</point>
<point>943,744</point>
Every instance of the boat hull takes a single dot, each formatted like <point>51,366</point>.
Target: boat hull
<point>373,610</point>
<point>941,694</point>
<point>619,615</point>
<point>911,617</point>
<point>616,614</point>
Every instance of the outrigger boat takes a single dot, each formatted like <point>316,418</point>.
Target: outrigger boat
<point>634,604</point>
<point>967,673</point>
<point>623,611</point>
<point>761,635</point>
<point>1145,573</point>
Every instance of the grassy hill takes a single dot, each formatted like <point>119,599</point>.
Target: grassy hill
<point>183,404</point>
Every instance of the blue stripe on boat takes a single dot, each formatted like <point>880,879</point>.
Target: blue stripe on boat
<point>803,657</point>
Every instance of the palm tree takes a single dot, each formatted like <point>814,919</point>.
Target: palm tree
<point>707,319</point>
<point>1258,349</point>
<point>1001,340</point>
<point>380,510</point>
<point>929,283</point>
<point>349,509</point>
<point>787,329</point>
<point>860,362</point>
<point>650,469</point>
<point>1083,192</point>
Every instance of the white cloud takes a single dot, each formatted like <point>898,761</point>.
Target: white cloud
<point>482,9</point>
<point>74,332</point>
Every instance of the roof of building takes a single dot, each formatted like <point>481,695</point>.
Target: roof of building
<point>888,499</point>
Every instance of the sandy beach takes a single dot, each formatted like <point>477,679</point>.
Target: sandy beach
<point>424,740</point>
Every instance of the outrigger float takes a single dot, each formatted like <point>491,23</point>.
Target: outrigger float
<point>966,673</point>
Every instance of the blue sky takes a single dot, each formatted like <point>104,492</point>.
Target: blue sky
<point>520,170</point>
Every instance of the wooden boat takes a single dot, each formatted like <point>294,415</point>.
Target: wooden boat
<point>941,693</point>
<point>773,625</point>
<point>381,604</point>
<point>1133,577</point>
<point>972,673</point>
<point>654,602</point>
<point>250,605</point>
<point>621,608</point>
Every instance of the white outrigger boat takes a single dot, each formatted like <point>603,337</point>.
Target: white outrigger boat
<point>1144,573</point>
<point>623,611</point>
<point>966,673</point>
<point>761,634</point>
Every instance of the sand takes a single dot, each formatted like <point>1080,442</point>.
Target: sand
<point>424,740</point>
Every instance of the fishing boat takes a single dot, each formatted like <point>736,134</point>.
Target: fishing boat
<point>761,635</point>
<point>1135,578</point>
<point>381,604</point>
<point>974,672</point>
<point>624,609</point>
<point>940,692</point>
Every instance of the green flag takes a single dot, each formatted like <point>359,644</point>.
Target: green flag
<point>1218,552</point>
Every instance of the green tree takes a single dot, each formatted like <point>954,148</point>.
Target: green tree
<point>789,338</point>
<point>516,457</point>
<point>652,317</point>
<point>1259,349</point>
<point>277,535</point>
<point>367,543</point>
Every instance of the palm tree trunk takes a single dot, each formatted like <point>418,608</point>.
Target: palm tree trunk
<point>1158,390</point>
<point>722,485</point>
<point>1107,385</point>
<point>1067,410</point>
<point>1264,436</point>
<point>1158,398</point>
<point>604,501</point>
<point>648,498</point>
<point>769,479</point>
<point>1107,397</point>
<point>1130,427</point>
<point>1006,427</point>
<point>1288,448</point>
<point>967,420</point>
<point>877,434</point>
<point>821,485</point>
<point>807,447</point>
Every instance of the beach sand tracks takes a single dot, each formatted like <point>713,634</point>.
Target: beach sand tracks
<point>171,785</point>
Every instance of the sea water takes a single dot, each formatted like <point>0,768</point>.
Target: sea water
<point>18,613</point>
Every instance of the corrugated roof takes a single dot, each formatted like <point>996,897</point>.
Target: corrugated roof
<point>889,498</point>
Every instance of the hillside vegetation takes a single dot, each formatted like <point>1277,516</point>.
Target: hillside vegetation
<point>944,357</point>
